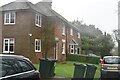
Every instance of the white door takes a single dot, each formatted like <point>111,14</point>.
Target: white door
<point>56,52</point>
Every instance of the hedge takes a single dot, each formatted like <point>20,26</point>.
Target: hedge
<point>83,58</point>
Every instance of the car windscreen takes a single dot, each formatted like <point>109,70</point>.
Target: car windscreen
<point>112,60</point>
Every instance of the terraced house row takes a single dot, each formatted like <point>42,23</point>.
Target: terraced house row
<point>33,30</point>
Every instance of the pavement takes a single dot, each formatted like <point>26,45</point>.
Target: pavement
<point>57,78</point>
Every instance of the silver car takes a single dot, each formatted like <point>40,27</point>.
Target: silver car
<point>110,67</point>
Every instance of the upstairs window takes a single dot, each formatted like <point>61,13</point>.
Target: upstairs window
<point>9,18</point>
<point>8,45</point>
<point>37,45</point>
<point>63,29</point>
<point>71,32</point>
<point>38,20</point>
<point>78,35</point>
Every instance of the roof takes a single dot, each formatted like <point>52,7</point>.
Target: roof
<point>73,42</point>
<point>10,55</point>
<point>62,18</point>
<point>16,6</point>
<point>111,56</point>
<point>40,7</point>
<point>21,6</point>
<point>51,12</point>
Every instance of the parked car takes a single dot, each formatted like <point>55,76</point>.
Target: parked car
<point>14,67</point>
<point>91,54</point>
<point>110,67</point>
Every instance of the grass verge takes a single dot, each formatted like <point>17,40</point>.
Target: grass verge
<point>66,69</point>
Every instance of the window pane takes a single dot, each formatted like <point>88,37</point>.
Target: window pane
<point>6,48</point>
<point>38,48</point>
<point>6,45</point>
<point>12,41</point>
<point>63,30</point>
<point>12,21</point>
<point>63,47</point>
<point>39,21</point>
<point>37,45</point>
<point>11,47</point>
<point>25,66</point>
<point>6,41</point>
<point>72,46</point>
<point>112,60</point>
<point>7,68</point>
<point>6,17</point>
<point>38,42</point>
<point>12,18</point>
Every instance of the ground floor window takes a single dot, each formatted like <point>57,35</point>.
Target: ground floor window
<point>8,45</point>
<point>63,46</point>
<point>37,45</point>
<point>73,49</point>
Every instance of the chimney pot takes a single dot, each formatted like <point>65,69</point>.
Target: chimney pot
<point>48,3</point>
<point>46,0</point>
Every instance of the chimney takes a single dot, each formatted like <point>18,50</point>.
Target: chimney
<point>21,0</point>
<point>48,3</point>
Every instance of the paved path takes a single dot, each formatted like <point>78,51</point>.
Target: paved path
<point>57,78</point>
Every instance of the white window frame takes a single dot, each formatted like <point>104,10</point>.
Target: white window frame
<point>63,46</point>
<point>38,45</point>
<point>38,20</point>
<point>63,29</point>
<point>78,35</point>
<point>8,39</point>
<point>9,17</point>
<point>72,48</point>
<point>71,32</point>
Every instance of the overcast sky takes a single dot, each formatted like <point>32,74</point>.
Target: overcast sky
<point>101,13</point>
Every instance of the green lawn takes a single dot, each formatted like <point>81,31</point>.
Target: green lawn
<point>66,69</point>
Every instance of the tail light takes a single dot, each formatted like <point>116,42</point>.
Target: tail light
<point>38,77</point>
<point>102,63</point>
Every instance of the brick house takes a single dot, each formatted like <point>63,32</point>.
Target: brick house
<point>29,29</point>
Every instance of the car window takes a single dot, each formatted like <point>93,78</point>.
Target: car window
<point>112,60</point>
<point>11,66</point>
<point>24,66</point>
<point>7,68</point>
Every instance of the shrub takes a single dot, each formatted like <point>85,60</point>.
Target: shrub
<point>83,58</point>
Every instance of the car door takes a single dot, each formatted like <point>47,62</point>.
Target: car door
<point>14,69</point>
<point>7,70</point>
<point>28,70</point>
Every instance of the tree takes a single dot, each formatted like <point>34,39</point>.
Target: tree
<point>93,40</point>
<point>48,38</point>
<point>116,35</point>
<point>100,45</point>
<point>107,44</point>
<point>117,38</point>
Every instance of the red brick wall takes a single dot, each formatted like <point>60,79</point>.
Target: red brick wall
<point>25,45</point>
<point>58,33</point>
